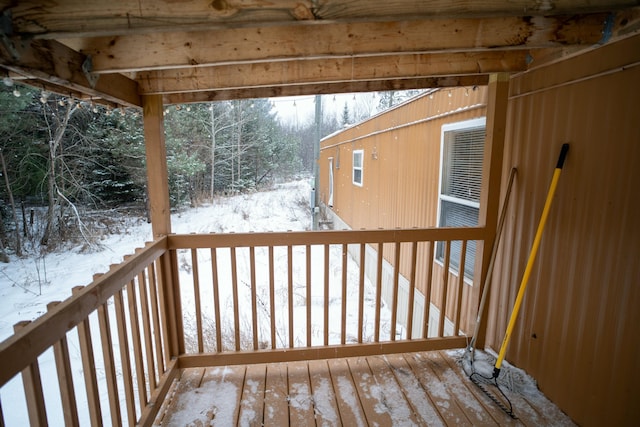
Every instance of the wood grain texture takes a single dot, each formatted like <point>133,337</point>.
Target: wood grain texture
<point>334,40</point>
<point>94,17</point>
<point>422,389</point>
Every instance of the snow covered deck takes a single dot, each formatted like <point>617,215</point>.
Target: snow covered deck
<point>425,388</point>
<point>316,317</point>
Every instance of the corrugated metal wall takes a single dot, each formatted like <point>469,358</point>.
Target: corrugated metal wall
<point>400,175</point>
<point>401,162</point>
<point>579,327</point>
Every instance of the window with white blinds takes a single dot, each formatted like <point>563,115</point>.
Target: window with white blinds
<point>460,185</point>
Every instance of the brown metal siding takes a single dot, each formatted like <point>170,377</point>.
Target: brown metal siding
<point>400,187</point>
<point>578,329</point>
<point>400,174</point>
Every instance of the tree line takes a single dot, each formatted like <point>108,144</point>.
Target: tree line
<point>62,158</point>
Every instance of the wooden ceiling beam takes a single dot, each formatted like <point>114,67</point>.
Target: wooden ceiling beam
<point>82,18</point>
<point>286,73</point>
<point>336,40</point>
<point>325,89</point>
<point>56,64</point>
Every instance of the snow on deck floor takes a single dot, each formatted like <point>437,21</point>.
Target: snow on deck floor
<point>428,388</point>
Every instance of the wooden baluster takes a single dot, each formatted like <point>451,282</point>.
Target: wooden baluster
<point>308,294</point>
<point>89,368</point>
<point>125,360</point>
<point>445,288</point>
<point>109,363</point>
<point>146,328</point>
<point>272,299</point>
<point>158,332</point>
<point>254,291</point>
<point>326,295</point>
<point>196,297</point>
<point>236,304</point>
<point>137,346</point>
<point>427,294</point>
<point>290,292</point>
<point>65,378</point>
<point>396,284</point>
<point>361,292</point>
<point>412,290</point>
<point>33,388</point>
<point>343,327</point>
<point>376,335</point>
<point>216,298</point>
<point>463,253</point>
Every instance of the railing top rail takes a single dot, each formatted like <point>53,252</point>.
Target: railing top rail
<point>22,348</point>
<point>301,238</point>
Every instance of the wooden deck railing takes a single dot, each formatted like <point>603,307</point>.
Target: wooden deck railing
<point>206,300</point>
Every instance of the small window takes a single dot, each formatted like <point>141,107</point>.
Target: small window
<point>460,185</point>
<point>358,156</point>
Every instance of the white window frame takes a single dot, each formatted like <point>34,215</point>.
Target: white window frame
<point>439,258</point>
<point>358,168</point>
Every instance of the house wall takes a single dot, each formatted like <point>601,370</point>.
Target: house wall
<point>578,329</point>
<point>577,332</point>
<point>401,171</point>
<point>401,161</point>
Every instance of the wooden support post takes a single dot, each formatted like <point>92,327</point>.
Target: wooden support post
<point>157,175</point>
<point>497,103</point>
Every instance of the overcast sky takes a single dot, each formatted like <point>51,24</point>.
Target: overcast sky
<point>301,109</point>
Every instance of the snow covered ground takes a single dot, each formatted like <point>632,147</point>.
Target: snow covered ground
<point>28,285</point>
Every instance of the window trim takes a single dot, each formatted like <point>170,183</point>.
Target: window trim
<point>360,168</point>
<point>448,127</point>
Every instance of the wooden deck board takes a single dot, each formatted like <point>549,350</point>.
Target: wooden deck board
<point>350,407</point>
<point>252,405</point>
<point>324,396</point>
<point>374,405</point>
<point>417,396</point>
<point>301,407</point>
<point>276,406</point>
<point>405,389</point>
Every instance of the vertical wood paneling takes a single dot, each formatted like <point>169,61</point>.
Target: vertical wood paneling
<point>578,327</point>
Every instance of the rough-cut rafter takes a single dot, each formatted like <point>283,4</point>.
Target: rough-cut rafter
<point>91,17</point>
<point>61,69</point>
<point>219,49</point>
<point>325,88</point>
<point>341,70</point>
<point>334,40</point>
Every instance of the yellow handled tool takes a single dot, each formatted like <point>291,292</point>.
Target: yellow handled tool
<point>480,380</point>
<point>532,258</point>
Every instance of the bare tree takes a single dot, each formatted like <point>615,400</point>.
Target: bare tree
<point>13,207</point>
<point>55,194</point>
